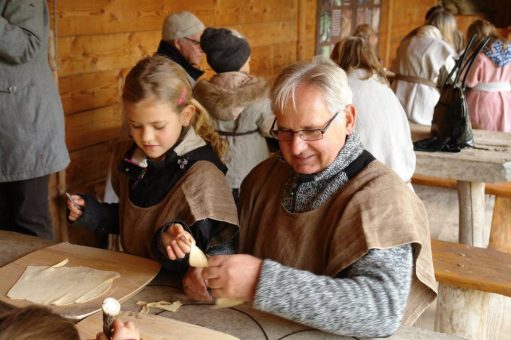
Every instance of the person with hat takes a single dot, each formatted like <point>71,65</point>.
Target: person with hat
<point>238,102</point>
<point>180,42</point>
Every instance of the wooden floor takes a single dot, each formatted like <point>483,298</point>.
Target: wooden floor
<point>442,207</point>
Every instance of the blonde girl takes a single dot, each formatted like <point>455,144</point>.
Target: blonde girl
<point>382,124</point>
<point>169,178</point>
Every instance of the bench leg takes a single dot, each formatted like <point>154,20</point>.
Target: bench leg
<point>462,312</point>
<point>471,207</point>
<point>500,236</point>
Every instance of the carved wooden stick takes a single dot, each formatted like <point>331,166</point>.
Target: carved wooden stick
<point>111,308</point>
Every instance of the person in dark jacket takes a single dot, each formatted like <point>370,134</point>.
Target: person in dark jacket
<point>180,42</point>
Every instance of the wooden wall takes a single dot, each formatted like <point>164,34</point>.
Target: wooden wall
<point>97,42</point>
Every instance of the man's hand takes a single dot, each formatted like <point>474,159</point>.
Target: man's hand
<point>194,285</point>
<point>233,276</point>
<point>176,241</point>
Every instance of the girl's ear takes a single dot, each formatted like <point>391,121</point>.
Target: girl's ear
<point>187,115</point>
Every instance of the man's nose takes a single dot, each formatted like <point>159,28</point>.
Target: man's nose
<point>297,144</point>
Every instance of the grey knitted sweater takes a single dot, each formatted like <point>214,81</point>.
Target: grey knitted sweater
<point>367,299</point>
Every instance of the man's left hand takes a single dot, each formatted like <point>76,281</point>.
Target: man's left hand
<point>233,276</point>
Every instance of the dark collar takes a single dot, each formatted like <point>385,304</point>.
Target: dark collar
<point>171,52</point>
<point>203,153</point>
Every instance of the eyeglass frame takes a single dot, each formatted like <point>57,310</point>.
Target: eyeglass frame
<point>275,132</point>
<point>194,42</point>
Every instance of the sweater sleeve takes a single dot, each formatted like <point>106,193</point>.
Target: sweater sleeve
<point>99,217</point>
<point>367,299</point>
<point>22,26</point>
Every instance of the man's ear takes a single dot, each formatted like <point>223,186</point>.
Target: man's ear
<point>187,114</point>
<point>351,118</point>
<point>177,44</point>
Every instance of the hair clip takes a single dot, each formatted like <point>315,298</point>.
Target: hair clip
<point>182,97</point>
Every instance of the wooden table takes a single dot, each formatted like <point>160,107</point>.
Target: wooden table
<point>241,321</point>
<point>489,162</point>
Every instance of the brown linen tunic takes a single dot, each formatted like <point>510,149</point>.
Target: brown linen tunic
<point>375,209</point>
<point>201,193</point>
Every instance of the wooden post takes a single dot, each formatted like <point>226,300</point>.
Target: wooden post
<point>59,221</point>
<point>471,210</point>
<point>462,312</point>
<point>500,237</point>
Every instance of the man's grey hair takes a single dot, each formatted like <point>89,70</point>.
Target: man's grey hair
<point>322,73</point>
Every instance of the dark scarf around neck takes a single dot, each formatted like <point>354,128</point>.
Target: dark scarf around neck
<point>171,52</point>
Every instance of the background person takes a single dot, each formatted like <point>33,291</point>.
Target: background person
<point>238,102</point>
<point>489,80</point>
<point>180,42</point>
<point>32,144</point>
<point>422,64</point>
<point>381,121</point>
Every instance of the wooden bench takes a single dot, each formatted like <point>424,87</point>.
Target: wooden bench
<point>465,275</point>
<point>500,235</point>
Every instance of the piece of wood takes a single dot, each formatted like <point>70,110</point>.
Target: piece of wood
<point>500,236</point>
<point>135,273</point>
<point>468,267</point>
<point>234,12</point>
<point>462,312</point>
<point>471,213</point>
<point>15,245</point>
<point>93,53</point>
<point>92,127</point>
<point>88,91</point>
<point>89,165</point>
<point>488,163</point>
<point>153,327</point>
<point>113,16</point>
<point>497,189</point>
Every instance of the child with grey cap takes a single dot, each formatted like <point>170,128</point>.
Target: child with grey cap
<point>237,102</point>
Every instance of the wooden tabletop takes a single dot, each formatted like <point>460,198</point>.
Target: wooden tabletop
<point>489,162</point>
<point>241,321</point>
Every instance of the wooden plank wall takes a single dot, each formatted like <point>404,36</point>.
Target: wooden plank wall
<point>99,41</point>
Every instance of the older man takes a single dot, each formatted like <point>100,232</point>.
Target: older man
<point>336,240</point>
<point>180,42</point>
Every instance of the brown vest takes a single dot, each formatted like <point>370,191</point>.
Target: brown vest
<point>375,209</point>
<point>201,193</point>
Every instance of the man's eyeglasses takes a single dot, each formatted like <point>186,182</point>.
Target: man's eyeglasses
<point>306,134</point>
<point>193,41</point>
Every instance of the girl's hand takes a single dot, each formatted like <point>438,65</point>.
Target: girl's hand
<point>176,241</point>
<point>75,204</point>
<point>121,331</point>
<point>194,285</point>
